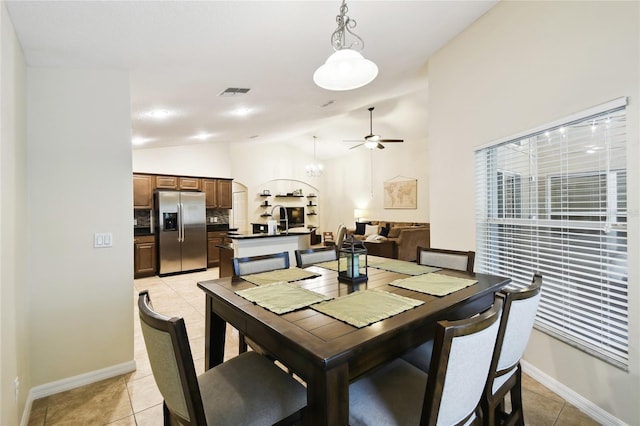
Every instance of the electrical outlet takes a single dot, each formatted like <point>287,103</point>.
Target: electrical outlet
<point>16,388</point>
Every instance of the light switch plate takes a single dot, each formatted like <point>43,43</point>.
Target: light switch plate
<point>102,240</point>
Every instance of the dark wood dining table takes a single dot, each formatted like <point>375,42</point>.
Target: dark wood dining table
<point>325,352</point>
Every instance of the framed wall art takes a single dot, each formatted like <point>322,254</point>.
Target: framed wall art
<point>401,193</point>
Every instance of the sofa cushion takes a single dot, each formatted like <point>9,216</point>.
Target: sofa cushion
<point>394,232</point>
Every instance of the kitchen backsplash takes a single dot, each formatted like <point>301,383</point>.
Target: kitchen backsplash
<point>217,216</point>
<point>142,218</point>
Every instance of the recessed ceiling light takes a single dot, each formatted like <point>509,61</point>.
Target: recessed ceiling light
<point>241,112</point>
<point>202,136</point>
<point>158,114</point>
<point>140,141</point>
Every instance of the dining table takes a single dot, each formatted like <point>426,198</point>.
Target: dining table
<point>325,350</point>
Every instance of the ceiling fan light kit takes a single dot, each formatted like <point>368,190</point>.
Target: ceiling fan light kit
<point>346,68</point>
<point>372,141</point>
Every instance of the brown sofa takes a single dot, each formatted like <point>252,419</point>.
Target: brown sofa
<point>407,236</point>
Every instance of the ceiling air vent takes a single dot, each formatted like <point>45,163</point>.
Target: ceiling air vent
<point>232,91</point>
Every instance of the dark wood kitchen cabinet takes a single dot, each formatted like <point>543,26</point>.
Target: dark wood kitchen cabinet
<point>143,191</point>
<point>189,183</point>
<point>166,182</point>
<point>213,252</point>
<point>178,182</point>
<point>144,256</point>
<point>218,193</point>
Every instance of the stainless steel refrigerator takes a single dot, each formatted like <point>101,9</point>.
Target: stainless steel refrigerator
<point>182,231</point>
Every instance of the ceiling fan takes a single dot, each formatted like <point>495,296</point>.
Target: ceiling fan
<point>373,141</point>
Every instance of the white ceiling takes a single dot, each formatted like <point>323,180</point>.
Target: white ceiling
<point>182,54</point>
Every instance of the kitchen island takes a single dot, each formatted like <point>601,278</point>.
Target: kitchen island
<point>257,244</point>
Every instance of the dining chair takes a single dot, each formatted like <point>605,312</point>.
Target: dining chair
<point>401,394</point>
<point>262,263</point>
<point>505,375</point>
<point>340,236</point>
<point>247,389</point>
<point>448,259</point>
<point>254,265</point>
<point>310,256</point>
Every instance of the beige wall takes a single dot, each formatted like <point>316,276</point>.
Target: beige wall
<point>14,317</point>
<point>79,183</point>
<point>521,65</point>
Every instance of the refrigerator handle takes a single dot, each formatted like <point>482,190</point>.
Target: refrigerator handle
<point>179,210</point>
<point>181,222</point>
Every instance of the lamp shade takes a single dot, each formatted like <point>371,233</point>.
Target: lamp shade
<point>345,69</point>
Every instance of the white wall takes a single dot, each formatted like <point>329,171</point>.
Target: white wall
<point>14,318</point>
<point>79,183</point>
<point>206,159</point>
<point>521,65</point>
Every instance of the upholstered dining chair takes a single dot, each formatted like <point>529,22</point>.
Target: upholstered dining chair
<point>505,375</point>
<point>310,256</point>
<point>448,259</point>
<point>262,263</point>
<point>401,394</point>
<point>340,236</point>
<point>254,265</point>
<point>247,389</point>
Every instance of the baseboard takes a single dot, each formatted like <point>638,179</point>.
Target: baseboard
<point>73,382</point>
<point>581,403</point>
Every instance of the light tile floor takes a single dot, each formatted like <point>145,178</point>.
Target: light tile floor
<point>133,399</point>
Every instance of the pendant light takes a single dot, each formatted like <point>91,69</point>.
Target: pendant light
<point>314,169</point>
<point>346,68</point>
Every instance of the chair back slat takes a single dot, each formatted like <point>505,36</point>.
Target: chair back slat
<point>447,259</point>
<point>262,263</point>
<point>308,257</point>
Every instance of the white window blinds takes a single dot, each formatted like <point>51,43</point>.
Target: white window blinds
<point>553,201</point>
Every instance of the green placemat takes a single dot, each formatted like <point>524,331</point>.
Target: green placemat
<point>404,267</point>
<point>281,297</point>
<point>291,274</point>
<point>434,284</point>
<point>366,307</point>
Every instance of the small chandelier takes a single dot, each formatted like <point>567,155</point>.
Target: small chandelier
<point>346,68</point>
<point>314,169</point>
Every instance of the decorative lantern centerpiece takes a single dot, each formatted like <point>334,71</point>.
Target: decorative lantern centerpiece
<point>352,261</point>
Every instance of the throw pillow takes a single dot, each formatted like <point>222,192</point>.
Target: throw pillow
<point>385,230</point>
<point>370,230</point>
<point>360,227</point>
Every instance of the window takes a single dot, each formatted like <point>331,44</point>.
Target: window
<point>553,200</point>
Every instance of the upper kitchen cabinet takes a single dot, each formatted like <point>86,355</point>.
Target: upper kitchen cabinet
<point>143,191</point>
<point>189,183</point>
<point>218,193</point>
<point>166,182</point>
<point>178,182</point>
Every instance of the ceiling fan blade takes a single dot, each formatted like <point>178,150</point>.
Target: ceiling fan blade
<point>391,140</point>
<point>380,146</point>
<point>355,146</point>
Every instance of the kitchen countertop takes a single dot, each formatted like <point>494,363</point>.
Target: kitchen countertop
<point>292,233</point>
